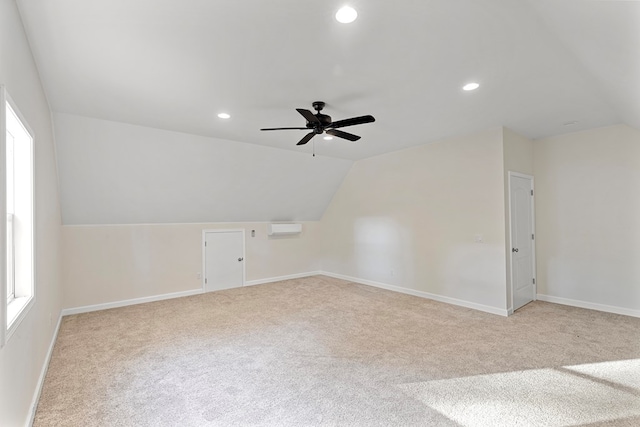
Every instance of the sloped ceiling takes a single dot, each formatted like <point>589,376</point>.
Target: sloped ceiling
<point>116,173</point>
<point>604,36</point>
<point>168,67</point>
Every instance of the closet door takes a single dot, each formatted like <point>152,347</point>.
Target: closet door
<point>223,259</point>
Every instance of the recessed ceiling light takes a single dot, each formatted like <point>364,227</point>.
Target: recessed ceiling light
<point>224,116</point>
<point>346,15</point>
<point>471,86</point>
<point>328,138</point>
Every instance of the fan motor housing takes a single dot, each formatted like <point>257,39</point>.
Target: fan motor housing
<point>324,119</point>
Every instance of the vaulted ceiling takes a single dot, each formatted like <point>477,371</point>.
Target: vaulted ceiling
<point>174,65</point>
<point>136,86</point>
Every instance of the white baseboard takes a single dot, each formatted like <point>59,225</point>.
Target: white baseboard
<point>280,278</point>
<point>116,304</point>
<point>124,303</point>
<point>435,297</point>
<point>589,305</point>
<point>43,373</point>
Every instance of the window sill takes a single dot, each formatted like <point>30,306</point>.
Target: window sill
<point>17,309</point>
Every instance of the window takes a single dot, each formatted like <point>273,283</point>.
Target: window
<point>18,179</point>
<point>11,289</point>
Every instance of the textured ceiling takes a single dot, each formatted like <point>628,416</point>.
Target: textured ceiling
<point>174,65</point>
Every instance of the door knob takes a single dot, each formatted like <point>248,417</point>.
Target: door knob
<point>240,259</point>
<point>514,249</point>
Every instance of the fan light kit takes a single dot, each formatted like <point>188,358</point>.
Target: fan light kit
<point>346,15</point>
<point>224,116</point>
<point>320,123</point>
<point>328,138</point>
<point>471,86</point>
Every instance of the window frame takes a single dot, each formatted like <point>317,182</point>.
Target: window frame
<point>18,307</point>
<point>10,256</point>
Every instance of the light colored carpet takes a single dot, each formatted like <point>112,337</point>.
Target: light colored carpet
<point>320,351</point>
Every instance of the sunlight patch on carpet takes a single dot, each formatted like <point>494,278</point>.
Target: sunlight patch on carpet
<point>622,372</point>
<point>546,397</point>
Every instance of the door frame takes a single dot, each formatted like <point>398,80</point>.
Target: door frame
<point>204,253</point>
<point>533,241</point>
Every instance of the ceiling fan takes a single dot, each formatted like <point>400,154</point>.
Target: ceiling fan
<point>321,123</point>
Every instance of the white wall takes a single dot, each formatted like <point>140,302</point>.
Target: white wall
<point>411,218</point>
<point>105,264</point>
<point>115,173</point>
<point>23,356</point>
<point>588,217</point>
<point>518,157</point>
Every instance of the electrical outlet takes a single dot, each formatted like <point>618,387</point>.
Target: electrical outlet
<point>199,276</point>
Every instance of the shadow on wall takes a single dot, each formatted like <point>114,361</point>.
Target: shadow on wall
<point>384,251</point>
<point>387,252</point>
<point>472,272</point>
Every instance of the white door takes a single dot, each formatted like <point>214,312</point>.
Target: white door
<point>523,289</point>
<point>223,259</point>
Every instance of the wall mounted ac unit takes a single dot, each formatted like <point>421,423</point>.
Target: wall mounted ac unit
<point>282,229</point>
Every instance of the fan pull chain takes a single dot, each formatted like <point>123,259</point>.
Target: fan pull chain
<point>313,146</point>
